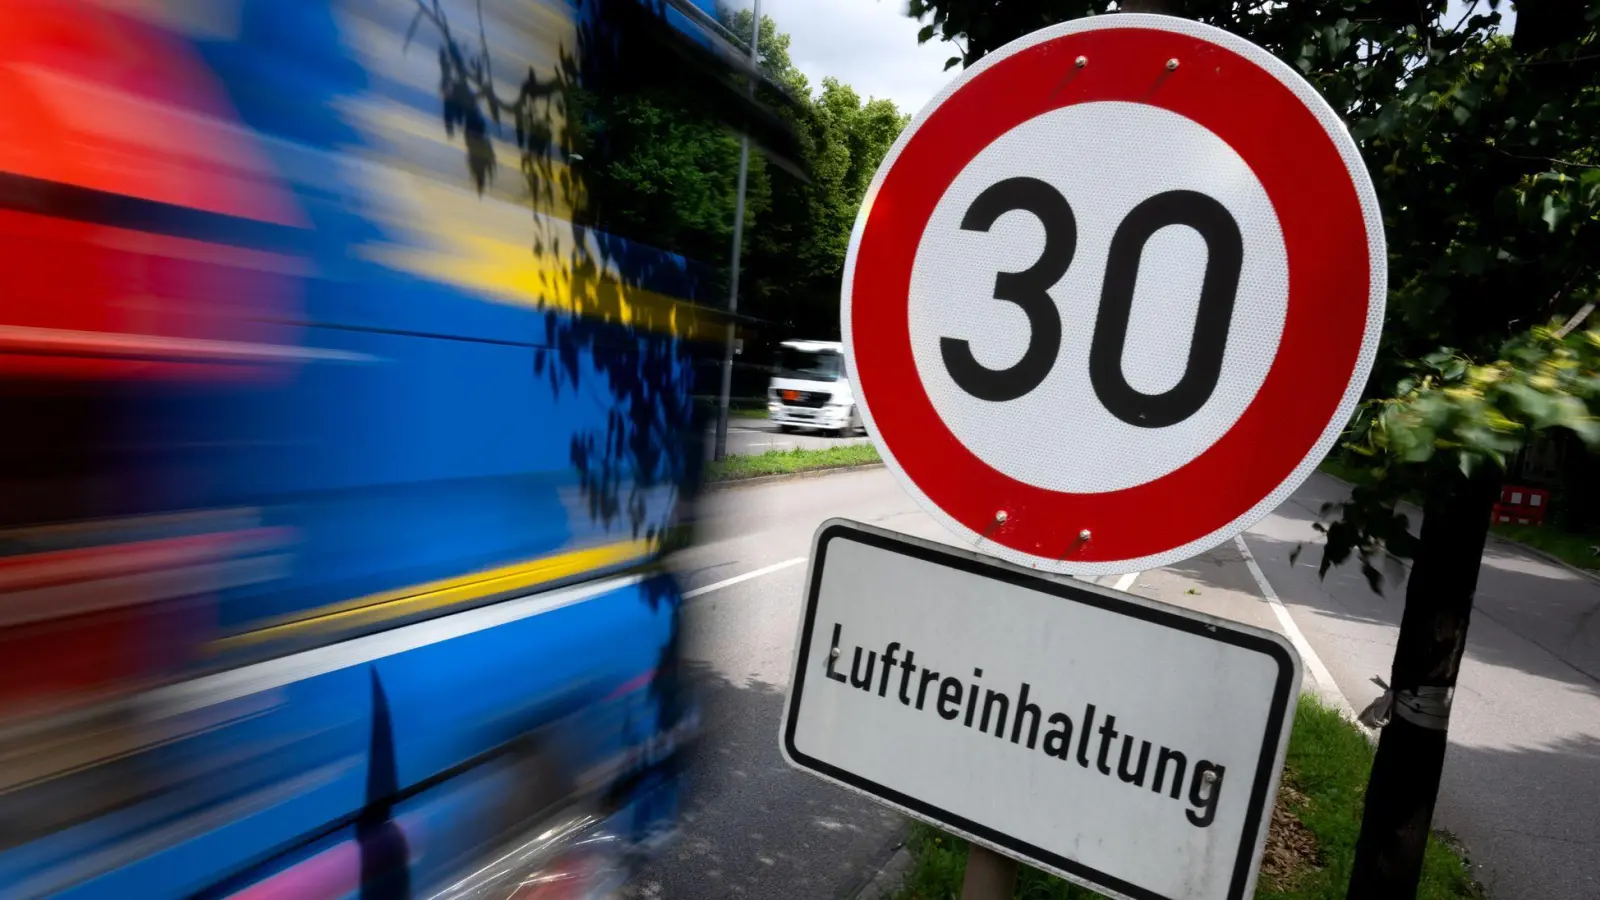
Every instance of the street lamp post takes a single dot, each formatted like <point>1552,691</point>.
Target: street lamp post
<point>738,240</point>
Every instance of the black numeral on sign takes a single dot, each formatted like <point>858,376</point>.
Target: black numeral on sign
<point>1224,261</point>
<point>1029,289</point>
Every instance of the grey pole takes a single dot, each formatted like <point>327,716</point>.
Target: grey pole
<point>738,239</point>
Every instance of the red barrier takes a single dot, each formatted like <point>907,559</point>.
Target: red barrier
<point>1521,505</point>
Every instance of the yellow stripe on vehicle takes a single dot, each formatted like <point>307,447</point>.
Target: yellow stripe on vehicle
<point>437,595</point>
<point>503,251</point>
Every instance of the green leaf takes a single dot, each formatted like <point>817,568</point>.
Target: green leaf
<point>951,63</point>
<point>1553,211</point>
<point>925,34</point>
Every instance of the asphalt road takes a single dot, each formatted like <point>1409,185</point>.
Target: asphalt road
<point>754,436</point>
<point>1522,780</point>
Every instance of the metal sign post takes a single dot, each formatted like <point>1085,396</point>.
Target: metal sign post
<point>724,396</point>
<point>989,876</point>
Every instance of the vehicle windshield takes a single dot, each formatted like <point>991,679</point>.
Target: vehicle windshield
<point>812,365</point>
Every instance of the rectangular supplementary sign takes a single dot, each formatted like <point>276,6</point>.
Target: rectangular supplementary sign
<point>1121,743</point>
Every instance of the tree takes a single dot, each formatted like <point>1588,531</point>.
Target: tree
<point>796,255</point>
<point>667,180</point>
<point>774,51</point>
<point>1483,149</point>
<point>852,140</point>
<point>659,169</point>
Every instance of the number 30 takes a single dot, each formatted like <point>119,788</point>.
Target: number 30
<point>1029,289</point>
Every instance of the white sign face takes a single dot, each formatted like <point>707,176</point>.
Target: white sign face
<point>1120,743</point>
<point>1122,278</point>
<point>1067,149</point>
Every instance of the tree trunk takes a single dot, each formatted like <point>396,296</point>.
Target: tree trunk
<point>1433,632</point>
<point>1578,491</point>
<point>1444,577</point>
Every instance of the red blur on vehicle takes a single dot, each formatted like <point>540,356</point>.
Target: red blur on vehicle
<point>130,198</point>
<point>111,134</point>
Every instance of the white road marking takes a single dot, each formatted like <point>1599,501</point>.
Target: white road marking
<point>730,582</point>
<point>1327,688</point>
<point>1126,581</point>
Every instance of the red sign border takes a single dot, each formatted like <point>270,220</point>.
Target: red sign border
<point>1323,197</point>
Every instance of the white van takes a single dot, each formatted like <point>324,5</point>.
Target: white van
<point>809,390</point>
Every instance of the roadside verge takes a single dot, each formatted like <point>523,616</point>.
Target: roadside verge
<point>775,465</point>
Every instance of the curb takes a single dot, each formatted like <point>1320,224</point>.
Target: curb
<point>756,480</point>
<point>887,879</point>
<point>1547,557</point>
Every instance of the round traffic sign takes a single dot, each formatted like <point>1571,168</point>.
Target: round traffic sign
<point>1114,293</point>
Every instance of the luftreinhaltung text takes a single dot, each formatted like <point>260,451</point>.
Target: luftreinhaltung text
<point>952,702</point>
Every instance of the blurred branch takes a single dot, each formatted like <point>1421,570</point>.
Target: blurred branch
<point>1547,159</point>
<point>1576,320</point>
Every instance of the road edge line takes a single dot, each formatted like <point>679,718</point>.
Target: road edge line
<point>1327,689</point>
<point>739,579</point>
<point>1126,581</point>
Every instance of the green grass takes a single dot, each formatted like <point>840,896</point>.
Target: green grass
<point>1351,469</point>
<point>938,861</point>
<point>1328,762</point>
<point>750,411</point>
<point>1343,469</point>
<point>1572,549</point>
<point>784,462</point>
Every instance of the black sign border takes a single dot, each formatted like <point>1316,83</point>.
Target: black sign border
<point>835,529</point>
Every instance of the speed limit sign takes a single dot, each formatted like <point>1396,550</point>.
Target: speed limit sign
<point>1114,293</point>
